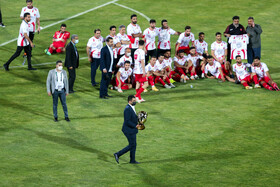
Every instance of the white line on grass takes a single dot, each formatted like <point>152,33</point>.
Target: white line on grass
<point>77,15</point>
<point>147,18</point>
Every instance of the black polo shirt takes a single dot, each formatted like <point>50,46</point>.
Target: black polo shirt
<point>232,30</point>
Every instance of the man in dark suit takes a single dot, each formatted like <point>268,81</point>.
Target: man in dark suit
<point>107,67</point>
<point>130,130</point>
<point>72,60</point>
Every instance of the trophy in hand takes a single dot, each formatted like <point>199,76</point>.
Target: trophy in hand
<point>142,118</point>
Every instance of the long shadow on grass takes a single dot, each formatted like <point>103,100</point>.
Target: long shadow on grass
<point>33,77</point>
<point>72,143</point>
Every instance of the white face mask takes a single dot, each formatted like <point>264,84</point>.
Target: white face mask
<point>60,68</point>
<point>76,41</point>
<point>128,54</point>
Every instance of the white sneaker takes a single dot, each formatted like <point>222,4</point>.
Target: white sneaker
<point>166,86</point>
<point>186,77</point>
<point>142,100</point>
<point>120,91</point>
<point>257,86</point>
<point>192,77</point>
<point>185,81</point>
<point>172,85</point>
<point>202,76</point>
<point>116,88</point>
<point>181,80</point>
<point>138,100</point>
<point>196,77</point>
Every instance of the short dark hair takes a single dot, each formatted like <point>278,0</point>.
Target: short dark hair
<point>256,57</point>
<point>192,48</point>
<point>59,61</point>
<point>97,30</point>
<point>162,21</point>
<point>152,21</point>
<point>218,33</point>
<point>130,97</point>
<point>250,18</point>
<point>153,57</point>
<point>167,51</point>
<point>108,39</point>
<point>26,14</point>
<point>132,16</point>
<point>237,56</point>
<point>235,17</point>
<point>187,27</point>
<point>161,54</point>
<point>113,26</point>
<point>63,25</point>
<point>127,48</point>
<point>29,1</point>
<point>141,42</point>
<point>201,33</point>
<point>209,56</point>
<point>181,51</point>
<point>126,62</point>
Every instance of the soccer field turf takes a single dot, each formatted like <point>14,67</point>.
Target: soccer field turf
<point>214,134</point>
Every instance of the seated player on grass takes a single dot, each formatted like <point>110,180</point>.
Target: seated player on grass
<point>196,63</point>
<point>124,58</point>
<point>59,40</point>
<point>265,79</point>
<point>152,73</point>
<point>242,74</point>
<point>161,69</point>
<point>181,66</point>
<point>168,65</point>
<point>215,69</point>
<point>123,77</point>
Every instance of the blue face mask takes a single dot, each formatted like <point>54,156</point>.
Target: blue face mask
<point>76,41</point>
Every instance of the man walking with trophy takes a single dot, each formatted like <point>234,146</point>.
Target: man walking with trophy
<point>130,129</point>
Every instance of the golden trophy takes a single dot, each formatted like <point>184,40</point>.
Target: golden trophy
<point>142,118</point>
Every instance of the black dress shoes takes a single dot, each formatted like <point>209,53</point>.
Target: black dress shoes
<point>6,67</point>
<point>67,119</point>
<point>109,96</point>
<point>103,97</point>
<point>71,91</point>
<point>116,157</point>
<point>32,68</point>
<point>55,120</point>
<point>135,162</point>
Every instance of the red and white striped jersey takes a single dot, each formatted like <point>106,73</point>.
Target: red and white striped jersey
<point>181,61</point>
<point>125,73</point>
<point>22,41</point>
<point>201,47</point>
<point>241,70</point>
<point>164,38</point>
<point>139,55</point>
<point>219,49</point>
<point>238,45</point>
<point>149,67</point>
<point>160,66</point>
<point>150,37</point>
<point>261,70</point>
<point>123,59</point>
<point>184,40</point>
<point>168,62</point>
<point>95,45</point>
<point>194,59</point>
<point>133,29</point>
<point>34,13</point>
<point>213,70</point>
<point>122,37</point>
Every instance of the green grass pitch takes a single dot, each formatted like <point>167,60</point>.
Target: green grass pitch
<point>214,134</point>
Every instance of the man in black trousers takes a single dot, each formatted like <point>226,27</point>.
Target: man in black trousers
<point>130,130</point>
<point>72,60</point>
<point>107,67</point>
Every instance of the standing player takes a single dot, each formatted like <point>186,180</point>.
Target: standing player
<point>150,40</point>
<point>200,45</point>
<point>134,33</point>
<point>124,58</point>
<point>59,40</point>
<point>125,41</point>
<point>184,40</point>
<point>139,71</point>
<point>242,74</point>
<point>23,42</point>
<point>94,47</point>
<point>164,37</point>
<point>123,76</point>
<point>194,63</point>
<point>35,18</point>
<point>265,79</point>
<point>219,52</point>
<point>116,41</point>
<point>181,66</point>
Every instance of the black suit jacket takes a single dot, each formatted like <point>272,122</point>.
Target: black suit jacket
<point>105,59</point>
<point>130,121</point>
<point>71,59</point>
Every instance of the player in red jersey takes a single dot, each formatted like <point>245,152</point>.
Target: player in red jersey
<point>265,79</point>
<point>59,40</point>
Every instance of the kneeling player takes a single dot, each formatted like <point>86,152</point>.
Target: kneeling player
<point>123,77</point>
<point>261,70</point>
<point>59,40</point>
<point>215,69</point>
<point>181,66</point>
<point>242,74</point>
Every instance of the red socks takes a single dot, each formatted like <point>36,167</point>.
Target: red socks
<point>245,84</point>
<point>255,79</point>
<point>138,94</point>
